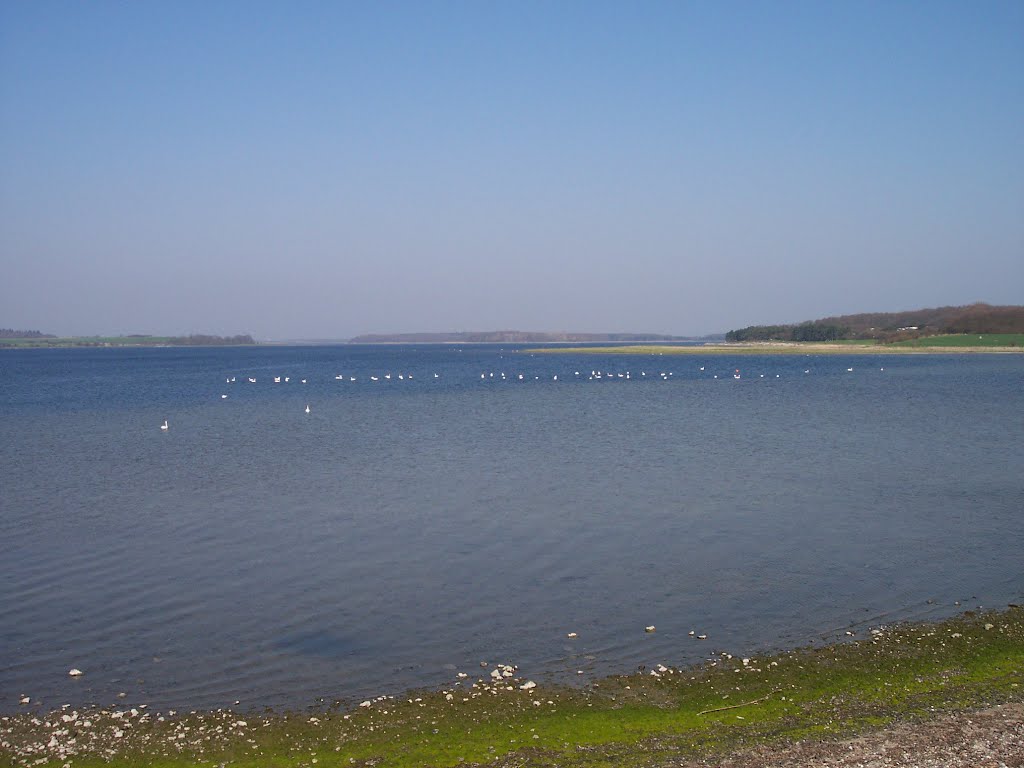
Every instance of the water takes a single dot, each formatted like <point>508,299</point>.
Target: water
<point>406,529</point>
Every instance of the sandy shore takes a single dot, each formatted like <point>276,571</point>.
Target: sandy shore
<point>778,348</point>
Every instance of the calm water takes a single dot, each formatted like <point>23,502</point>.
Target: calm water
<point>406,529</point>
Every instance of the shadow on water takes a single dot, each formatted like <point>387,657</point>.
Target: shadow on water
<point>321,644</point>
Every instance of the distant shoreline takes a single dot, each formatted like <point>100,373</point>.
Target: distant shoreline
<point>779,348</point>
<point>138,341</point>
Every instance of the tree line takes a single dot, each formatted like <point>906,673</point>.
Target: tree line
<point>801,332</point>
<point>10,333</point>
<point>892,326</point>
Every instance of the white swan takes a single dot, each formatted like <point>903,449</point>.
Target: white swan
<point>307,407</point>
<point>164,425</point>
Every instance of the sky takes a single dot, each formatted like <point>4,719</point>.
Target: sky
<point>324,169</point>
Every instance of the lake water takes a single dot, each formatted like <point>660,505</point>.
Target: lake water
<point>405,529</point>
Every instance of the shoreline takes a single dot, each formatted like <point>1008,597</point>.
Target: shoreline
<point>878,678</point>
<point>779,348</point>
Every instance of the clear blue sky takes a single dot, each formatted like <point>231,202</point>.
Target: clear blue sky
<point>322,169</point>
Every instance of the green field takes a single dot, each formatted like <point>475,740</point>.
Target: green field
<point>966,340</point>
<point>877,677</point>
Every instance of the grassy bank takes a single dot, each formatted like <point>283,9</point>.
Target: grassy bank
<point>879,676</point>
<point>972,340</point>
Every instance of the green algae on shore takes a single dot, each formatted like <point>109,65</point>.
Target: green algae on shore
<point>881,675</point>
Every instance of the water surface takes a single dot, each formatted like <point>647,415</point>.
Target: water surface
<point>407,528</point>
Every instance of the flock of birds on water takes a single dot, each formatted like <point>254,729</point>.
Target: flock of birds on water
<point>594,375</point>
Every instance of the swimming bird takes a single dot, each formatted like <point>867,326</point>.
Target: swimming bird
<point>164,425</point>
<point>307,407</point>
<point>849,370</point>
<point>223,397</point>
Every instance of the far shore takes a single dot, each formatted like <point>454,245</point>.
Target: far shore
<point>776,348</point>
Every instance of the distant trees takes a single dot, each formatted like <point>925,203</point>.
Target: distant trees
<point>9,333</point>
<point>760,333</point>
<point>983,318</point>
<point>892,326</point>
<point>802,332</point>
<point>819,332</point>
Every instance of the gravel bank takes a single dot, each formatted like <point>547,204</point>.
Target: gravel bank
<point>987,738</point>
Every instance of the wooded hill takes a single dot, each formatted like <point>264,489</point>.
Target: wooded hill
<point>892,326</point>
